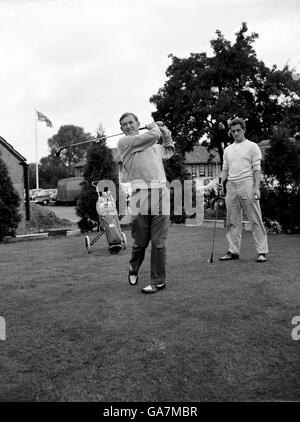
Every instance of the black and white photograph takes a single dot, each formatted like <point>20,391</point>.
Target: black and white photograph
<point>149,204</point>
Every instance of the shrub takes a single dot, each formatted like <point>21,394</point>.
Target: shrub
<point>280,194</point>
<point>282,207</point>
<point>99,166</point>
<point>9,204</point>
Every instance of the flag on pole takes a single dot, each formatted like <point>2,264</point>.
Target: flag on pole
<point>43,118</point>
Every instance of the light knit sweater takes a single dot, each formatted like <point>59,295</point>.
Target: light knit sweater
<point>142,157</point>
<point>241,160</point>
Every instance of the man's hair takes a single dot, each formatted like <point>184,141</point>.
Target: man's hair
<point>237,121</point>
<point>126,115</point>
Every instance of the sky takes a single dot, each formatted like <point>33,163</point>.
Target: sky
<point>86,62</point>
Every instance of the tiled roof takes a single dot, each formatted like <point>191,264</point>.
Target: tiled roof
<point>201,155</point>
<point>11,149</point>
<point>198,155</point>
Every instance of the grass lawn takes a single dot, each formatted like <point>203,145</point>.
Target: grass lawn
<point>76,330</point>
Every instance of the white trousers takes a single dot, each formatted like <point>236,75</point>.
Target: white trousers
<point>239,197</point>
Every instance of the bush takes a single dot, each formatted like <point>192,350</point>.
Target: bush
<point>9,204</point>
<point>99,166</point>
<point>281,207</point>
<point>280,194</point>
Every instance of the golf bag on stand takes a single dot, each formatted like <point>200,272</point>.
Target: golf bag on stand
<point>108,223</point>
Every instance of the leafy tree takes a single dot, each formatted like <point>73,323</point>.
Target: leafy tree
<point>9,204</point>
<point>282,161</point>
<point>100,166</point>
<point>32,175</point>
<point>174,167</point>
<point>68,135</point>
<point>202,93</point>
<point>280,196</point>
<point>175,170</point>
<point>51,169</point>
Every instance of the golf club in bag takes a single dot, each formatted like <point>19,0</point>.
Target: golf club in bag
<point>91,140</point>
<point>215,206</point>
<point>108,222</point>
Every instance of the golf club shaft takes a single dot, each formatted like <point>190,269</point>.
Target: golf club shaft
<point>215,223</point>
<point>91,140</point>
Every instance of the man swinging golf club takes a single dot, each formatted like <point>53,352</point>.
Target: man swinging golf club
<point>241,169</point>
<point>142,157</point>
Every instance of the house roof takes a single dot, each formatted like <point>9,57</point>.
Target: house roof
<point>199,154</point>
<point>80,163</point>
<point>11,149</point>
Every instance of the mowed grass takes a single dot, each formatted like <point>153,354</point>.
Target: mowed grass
<point>77,331</point>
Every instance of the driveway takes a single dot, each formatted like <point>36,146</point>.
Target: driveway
<point>63,211</point>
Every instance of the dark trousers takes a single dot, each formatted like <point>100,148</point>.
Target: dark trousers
<point>151,224</point>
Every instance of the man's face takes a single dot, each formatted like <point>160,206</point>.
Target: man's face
<point>130,126</point>
<point>238,133</point>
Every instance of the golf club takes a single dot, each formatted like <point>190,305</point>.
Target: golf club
<point>91,140</point>
<point>211,260</point>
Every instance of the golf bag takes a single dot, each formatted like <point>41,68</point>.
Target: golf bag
<point>108,223</point>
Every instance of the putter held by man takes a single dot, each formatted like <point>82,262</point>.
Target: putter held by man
<point>241,169</point>
<point>211,260</point>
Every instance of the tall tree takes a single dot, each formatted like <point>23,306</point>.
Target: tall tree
<point>280,200</point>
<point>9,204</point>
<point>99,166</point>
<point>68,135</point>
<point>202,93</point>
<point>51,169</point>
<point>282,161</point>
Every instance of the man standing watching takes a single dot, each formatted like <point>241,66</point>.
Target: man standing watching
<point>142,159</point>
<point>241,169</point>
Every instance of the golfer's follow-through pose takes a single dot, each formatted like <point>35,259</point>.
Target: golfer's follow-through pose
<point>241,169</point>
<point>142,157</point>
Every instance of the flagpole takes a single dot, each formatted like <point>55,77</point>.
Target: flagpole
<point>36,155</point>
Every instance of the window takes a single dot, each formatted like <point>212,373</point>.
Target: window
<point>201,170</point>
<point>193,170</point>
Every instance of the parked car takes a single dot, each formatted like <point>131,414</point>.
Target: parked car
<point>33,193</point>
<point>53,197</point>
<point>44,196</point>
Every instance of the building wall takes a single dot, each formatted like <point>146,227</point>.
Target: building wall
<point>16,174</point>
